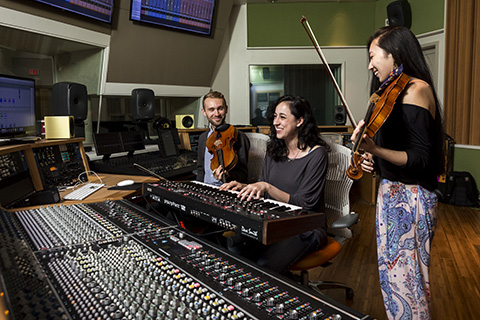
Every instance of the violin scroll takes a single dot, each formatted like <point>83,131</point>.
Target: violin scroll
<point>354,170</point>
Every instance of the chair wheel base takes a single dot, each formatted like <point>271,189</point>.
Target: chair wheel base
<point>323,285</point>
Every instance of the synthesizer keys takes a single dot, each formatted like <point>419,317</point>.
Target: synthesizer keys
<point>266,221</point>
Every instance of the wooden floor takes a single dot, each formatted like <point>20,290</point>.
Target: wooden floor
<point>454,273</point>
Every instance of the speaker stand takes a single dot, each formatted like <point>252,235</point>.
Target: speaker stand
<point>79,129</point>
<point>143,127</point>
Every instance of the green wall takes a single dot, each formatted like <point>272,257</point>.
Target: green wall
<point>467,159</point>
<point>334,23</point>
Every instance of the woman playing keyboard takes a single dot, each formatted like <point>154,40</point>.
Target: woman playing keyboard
<point>294,172</point>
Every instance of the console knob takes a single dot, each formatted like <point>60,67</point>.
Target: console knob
<point>293,315</point>
<point>238,286</point>
<point>279,308</point>
<point>270,302</point>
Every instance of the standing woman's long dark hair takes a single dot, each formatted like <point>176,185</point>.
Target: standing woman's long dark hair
<point>406,50</point>
<point>308,132</point>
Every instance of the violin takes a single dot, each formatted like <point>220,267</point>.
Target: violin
<point>220,145</point>
<point>380,109</point>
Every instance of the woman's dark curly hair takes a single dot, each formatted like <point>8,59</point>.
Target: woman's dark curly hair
<point>308,132</point>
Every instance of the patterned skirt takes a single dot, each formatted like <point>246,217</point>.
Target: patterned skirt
<point>406,219</point>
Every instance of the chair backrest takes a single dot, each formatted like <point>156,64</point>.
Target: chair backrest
<point>337,188</point>
<point>256,155</point>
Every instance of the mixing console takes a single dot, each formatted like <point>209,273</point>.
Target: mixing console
<point>112,260</point>
<point>264,220</point>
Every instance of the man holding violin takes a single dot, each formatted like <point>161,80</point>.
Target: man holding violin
<point>228,144</point>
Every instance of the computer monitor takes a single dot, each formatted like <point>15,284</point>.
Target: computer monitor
<point>166,143</point>
<point>132,141</point>
<point>107,143</point>
<point>99,10</point>
<point>17,106</point>
<point>191,16</point>
<point>116,142</point>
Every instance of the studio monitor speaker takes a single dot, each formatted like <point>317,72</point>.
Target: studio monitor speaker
<point>70,99</point>
<point>340,115</point>
<point>61,127</point>
<point>399,13</point>
<point>142,104</point>
<point>184,121</point>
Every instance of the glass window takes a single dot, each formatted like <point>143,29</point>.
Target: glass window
<point>269,82</point>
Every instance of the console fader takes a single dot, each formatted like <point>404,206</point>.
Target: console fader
<point>112,260</point>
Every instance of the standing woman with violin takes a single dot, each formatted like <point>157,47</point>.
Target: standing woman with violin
<point>235,145</point>
<point>407,152</point>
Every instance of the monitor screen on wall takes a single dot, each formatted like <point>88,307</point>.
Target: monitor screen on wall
<point>188,15</point>
<point>95,9</point>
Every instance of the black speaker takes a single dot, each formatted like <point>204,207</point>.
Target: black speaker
<point>340,115</point>
<point>399,13</point>
<point>70,99</point>
<point>142,104</point>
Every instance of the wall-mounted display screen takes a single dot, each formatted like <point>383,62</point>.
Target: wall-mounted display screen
<point>96,9</point>
<point>189,15</point>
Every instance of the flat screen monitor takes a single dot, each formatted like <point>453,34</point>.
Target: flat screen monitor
<point>96,9</point>
<point>188,15</point>
<point>107,143</point>
<point>166,143</point>
<point>17,106</point>
<point>16,182</point>
<point>116,142</point>
<point>132,140</point>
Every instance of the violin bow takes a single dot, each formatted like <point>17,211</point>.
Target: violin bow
<point>311,35</point>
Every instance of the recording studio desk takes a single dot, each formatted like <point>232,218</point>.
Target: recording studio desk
<point>110,180</point>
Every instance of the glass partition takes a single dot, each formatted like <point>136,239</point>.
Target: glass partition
<point>269,82</point>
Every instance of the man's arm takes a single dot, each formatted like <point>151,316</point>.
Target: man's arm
<point>240,171</point>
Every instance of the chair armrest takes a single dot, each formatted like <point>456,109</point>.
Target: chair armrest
<point>346,221</point>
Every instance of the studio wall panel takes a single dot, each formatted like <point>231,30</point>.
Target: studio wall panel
<point>142,53</point>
